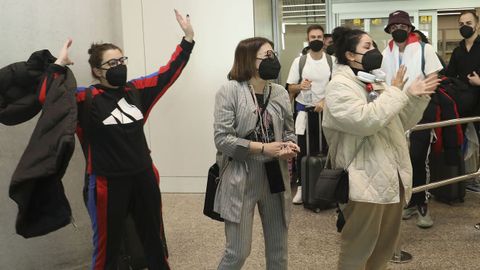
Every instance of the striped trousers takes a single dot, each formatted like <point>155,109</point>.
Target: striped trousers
<point>239,235</point>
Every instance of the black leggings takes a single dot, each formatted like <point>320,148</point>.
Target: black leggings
<point>419,144</point>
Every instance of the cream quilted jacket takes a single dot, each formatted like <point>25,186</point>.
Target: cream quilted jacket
<point>384,157</point>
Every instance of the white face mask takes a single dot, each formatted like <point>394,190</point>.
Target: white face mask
<point>374,77</point>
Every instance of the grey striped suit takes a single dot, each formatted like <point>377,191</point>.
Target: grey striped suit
<point>244,184</point>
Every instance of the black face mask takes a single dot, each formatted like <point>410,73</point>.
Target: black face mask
<point>399,35</point>
<point>316,45</point>
<point>466,31</point>
<point>371,60</point>
<point>330,50</point>
<point>117,76</point>
<point>269,68</point>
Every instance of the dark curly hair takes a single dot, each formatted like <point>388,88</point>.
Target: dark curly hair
<point>345,40</point>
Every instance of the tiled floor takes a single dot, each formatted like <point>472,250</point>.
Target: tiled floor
<point>196,242</point>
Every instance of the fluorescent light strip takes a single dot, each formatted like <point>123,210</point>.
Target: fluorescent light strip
<point>304,5</point>
<point>306,16</point>
<point>449,13</point>
<point>304,11</point>
<point>454,9</point>
<point>292,23</point>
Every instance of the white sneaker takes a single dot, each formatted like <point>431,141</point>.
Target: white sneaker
<point>424,220</point>
<point>297,199</point>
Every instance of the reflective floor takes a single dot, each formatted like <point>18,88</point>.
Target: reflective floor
<point>195,242</point>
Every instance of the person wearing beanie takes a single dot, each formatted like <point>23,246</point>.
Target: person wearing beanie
<point>420,60</point>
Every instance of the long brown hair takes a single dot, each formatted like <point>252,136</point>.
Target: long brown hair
<point>244,68</point>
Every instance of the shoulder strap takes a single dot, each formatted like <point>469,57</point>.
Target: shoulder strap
<point>329,157</point>
<point>330,63</point>
<point>301,65</point>
<point>422,45</point>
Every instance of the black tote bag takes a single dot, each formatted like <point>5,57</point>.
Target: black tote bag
<point>213,179</point>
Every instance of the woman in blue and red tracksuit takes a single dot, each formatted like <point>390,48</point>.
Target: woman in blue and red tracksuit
<point>121,179</point>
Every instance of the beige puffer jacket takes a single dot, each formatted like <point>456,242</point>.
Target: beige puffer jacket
<point>348,118</point>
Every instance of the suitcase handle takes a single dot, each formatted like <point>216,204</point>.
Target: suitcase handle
<point>320,130</point>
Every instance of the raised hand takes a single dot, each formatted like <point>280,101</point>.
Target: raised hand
<point>426,86</point>
<point>185,25</point>
<point>399,79</point>
<point>63,59</point>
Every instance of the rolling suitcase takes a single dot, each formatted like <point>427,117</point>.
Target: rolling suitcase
<point>440,170</point>
<point>311,167</point>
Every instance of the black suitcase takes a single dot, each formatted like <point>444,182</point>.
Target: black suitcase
<point>310,169</point>
<point>440,170</point>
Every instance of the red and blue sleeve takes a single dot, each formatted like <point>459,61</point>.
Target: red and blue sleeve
<point>154,86</point>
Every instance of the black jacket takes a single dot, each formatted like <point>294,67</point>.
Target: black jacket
<point>18,84</point>
<point>442,107</point>
<point>36,183</point>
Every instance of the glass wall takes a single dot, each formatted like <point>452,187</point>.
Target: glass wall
<point>356,23</point>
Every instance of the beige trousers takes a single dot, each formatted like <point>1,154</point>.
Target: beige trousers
<point>370,234</point>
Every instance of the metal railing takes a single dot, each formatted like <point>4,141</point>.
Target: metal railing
<point>401,256</point>
<point>446,123</point>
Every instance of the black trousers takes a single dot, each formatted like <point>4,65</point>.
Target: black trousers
<point>109,202</point>
<point>419,144</point>
<point>314,139</point>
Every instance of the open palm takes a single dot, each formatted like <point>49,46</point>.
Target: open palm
<point>425,86</point>
<point>185,25</point>
<point>63,58</point>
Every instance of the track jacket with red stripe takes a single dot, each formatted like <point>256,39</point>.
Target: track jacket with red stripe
<point>117,145</point>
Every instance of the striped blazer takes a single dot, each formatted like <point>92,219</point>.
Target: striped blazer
<point>234,118</point>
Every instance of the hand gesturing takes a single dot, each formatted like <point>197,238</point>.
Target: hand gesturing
<point>63,59</point>
<point>185,25</point>
<point>425,86</point>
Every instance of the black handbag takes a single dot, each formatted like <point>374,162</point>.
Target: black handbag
<point>213,179</point>
<point>332,184</point>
